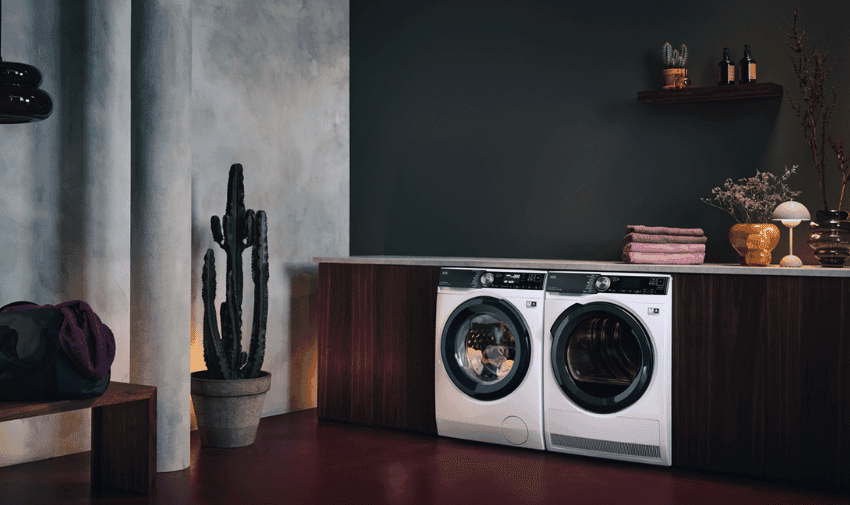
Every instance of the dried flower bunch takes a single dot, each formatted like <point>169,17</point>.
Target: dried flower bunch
<point>673,58</point>
<point>753,199</point>
<point>814,108</point>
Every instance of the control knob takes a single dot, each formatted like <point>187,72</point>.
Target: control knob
<point>602,283</point>
<point>486,279</point>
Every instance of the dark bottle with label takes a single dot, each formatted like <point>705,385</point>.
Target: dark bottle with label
<point>748,67</point>
<point>726,69</point>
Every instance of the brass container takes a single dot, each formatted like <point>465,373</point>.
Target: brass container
<point>676,78</point>
<point>754,242</point>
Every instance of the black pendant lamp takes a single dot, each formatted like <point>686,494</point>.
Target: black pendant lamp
<point>20,99</point>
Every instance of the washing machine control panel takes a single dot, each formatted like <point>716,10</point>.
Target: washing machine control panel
<point>458,278</point>
<point>579,283</point>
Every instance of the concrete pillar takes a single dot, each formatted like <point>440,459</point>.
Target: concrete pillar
<point>160,215</point>
<point>106,124</point>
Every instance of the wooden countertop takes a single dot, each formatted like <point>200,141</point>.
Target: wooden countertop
<point>595,266</point>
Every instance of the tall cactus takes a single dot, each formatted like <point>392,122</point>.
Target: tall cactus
<point>242,228</point>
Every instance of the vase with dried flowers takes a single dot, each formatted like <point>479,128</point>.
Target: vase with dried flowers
<point>751,202</point>
<point>830,230</point>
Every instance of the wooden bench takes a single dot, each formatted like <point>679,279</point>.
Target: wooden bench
<point>123,433</point>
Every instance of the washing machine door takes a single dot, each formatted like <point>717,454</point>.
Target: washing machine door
<point>486,348</point>
<point>602,356</point>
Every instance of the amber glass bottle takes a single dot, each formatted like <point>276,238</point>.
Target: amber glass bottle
<point>748,67</point>
<point>725,69</point>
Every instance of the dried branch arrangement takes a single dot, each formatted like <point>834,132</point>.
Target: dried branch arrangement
<point>814,108</point>
<point>753,199</point>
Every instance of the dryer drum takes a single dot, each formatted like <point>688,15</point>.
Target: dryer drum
<point>602,357</point>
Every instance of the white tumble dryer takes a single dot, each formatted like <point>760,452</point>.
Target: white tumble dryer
<point>608,365</point>
<point>489,356</point>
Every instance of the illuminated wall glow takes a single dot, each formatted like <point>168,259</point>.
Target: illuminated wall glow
<point>196,359</point>
<point>303,340</point>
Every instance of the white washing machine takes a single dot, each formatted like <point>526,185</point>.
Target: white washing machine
<point>489,356</point>
<point>608,365</point>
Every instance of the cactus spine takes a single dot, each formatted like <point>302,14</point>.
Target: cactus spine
<point>242,228</point>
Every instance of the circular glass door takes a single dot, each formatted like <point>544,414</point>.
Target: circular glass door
<point>602,356</point>
<point>486,348</point>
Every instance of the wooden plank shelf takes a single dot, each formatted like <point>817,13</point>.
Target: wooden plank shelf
<point>755,91</point>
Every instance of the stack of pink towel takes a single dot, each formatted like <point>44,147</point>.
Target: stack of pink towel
<point>660,245</point>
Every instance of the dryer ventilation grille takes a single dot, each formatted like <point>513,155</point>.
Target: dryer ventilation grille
<point>589,444</point>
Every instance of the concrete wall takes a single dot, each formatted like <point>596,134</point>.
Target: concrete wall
<point>270,91</point>
<point>65,186</point>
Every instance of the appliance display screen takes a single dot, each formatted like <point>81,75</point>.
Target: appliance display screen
<point>568,283</point>
<point>630,282</point>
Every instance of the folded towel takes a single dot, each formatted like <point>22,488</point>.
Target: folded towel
<point>663,248</point>
<point>664,239</point>
<point>664,231</point>
<point>664,258</point>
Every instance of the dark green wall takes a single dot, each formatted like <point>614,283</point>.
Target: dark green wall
<point>510,128</point>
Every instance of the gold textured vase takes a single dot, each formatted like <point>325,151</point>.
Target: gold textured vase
<point>754,242</point>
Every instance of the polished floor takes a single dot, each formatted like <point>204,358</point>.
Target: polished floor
<point>297,459</point>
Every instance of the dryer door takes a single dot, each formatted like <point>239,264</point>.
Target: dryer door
<point>602,356</point>
<point>486,348</point>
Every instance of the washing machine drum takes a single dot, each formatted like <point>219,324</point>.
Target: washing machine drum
<point>602,356</point>
<point>486,348</point>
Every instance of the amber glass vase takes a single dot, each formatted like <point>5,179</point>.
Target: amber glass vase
<point>754,242</point>
<point>830,237</point>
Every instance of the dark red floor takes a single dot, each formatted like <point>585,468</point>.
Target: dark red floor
<point>297,459</point>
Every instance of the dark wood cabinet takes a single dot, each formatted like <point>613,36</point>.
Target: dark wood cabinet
<point>761,365</point>
<point>760,376</point>
<point>718,372</point>
<point>376,345</point>
<point>807,379</point>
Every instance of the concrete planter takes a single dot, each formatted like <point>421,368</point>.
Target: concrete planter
<point>228,411</point>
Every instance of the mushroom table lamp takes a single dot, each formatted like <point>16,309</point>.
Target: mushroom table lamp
<point>791,213</point>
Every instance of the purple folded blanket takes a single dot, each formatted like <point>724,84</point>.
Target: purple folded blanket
<point>663,248</point>
<point>664,239</point>
<point>653,230</point>
<point>89,344</point>
<point>691,258</point>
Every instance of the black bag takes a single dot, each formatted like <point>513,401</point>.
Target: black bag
<point>35,342</point>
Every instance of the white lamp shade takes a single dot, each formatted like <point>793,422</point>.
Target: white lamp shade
<point>791,211</point>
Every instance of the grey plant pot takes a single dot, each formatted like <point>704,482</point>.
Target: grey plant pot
<point>228,411</point>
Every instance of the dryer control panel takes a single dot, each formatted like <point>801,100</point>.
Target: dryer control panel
<point>579,283</point>
<point>495,279</point>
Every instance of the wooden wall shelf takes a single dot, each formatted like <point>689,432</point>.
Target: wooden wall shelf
<point>755,91</point>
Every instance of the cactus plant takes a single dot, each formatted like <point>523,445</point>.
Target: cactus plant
<point>242,228</point>
<point>674,58</point>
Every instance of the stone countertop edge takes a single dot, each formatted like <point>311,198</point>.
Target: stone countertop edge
<point>595,266</point>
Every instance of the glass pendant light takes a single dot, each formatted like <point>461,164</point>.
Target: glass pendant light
<point>20,99</point>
